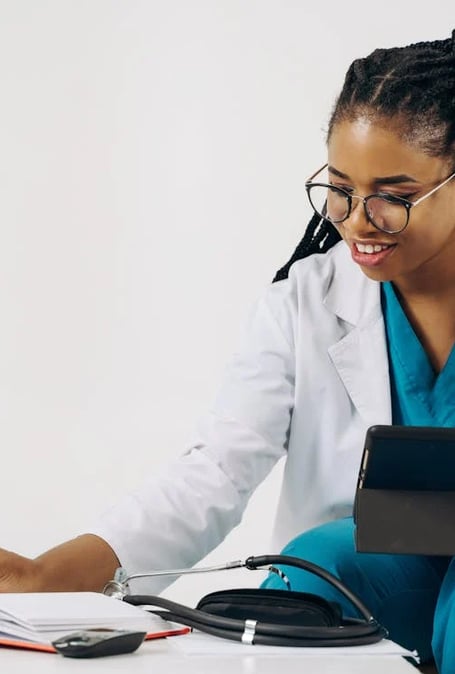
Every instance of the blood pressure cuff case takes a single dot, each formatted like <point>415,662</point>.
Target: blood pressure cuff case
<point>273,606</point>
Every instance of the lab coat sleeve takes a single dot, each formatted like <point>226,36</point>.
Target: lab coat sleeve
<point>178,515</point>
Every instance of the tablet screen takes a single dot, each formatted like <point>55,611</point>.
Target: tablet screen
<point>408,457</point>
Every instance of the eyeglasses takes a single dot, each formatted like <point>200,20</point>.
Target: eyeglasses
<point>387,212</point>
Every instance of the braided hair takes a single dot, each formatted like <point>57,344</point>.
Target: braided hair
<point>410,87</point>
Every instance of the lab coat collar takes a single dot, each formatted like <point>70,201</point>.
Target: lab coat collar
<point>360,356</point>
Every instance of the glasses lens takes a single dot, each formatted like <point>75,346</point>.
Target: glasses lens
<point>329,202</point>
<point>387,213</point>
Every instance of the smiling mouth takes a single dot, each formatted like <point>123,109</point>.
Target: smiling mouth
<point>370,248</point>
<point>371,254</point>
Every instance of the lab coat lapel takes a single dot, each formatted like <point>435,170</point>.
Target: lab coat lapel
<point>360,356</point>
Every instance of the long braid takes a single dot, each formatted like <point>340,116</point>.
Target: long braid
<point>319,236</point>
<point>415,85</point>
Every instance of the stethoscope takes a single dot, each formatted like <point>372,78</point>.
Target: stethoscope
<point>351,631</point>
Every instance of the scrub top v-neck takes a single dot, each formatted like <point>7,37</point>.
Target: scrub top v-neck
<point>420,396</point>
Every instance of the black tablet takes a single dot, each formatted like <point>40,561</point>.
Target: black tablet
<point>408,458</point>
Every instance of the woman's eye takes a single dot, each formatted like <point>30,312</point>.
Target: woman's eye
<point>393,197</point>
<point>345,188</point>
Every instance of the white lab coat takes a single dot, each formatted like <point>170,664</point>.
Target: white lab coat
<point>309,378</point>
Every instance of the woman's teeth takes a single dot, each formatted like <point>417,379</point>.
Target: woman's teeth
<point>369,248</point>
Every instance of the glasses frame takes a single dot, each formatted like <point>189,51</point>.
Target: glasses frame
<point>381,195</point>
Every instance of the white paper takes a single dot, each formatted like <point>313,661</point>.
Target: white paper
<point>198,643</point>
<point>42,616</point>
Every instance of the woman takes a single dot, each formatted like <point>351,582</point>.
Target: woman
<point>326,354</point>
<point>391,197</point>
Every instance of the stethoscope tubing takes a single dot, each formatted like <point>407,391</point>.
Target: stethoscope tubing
<point>203,620</point>
<point>254,563</point>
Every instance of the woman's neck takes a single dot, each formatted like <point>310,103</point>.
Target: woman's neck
<point>430,308</point>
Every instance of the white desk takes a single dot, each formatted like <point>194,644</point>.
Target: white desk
<point>158,657</point>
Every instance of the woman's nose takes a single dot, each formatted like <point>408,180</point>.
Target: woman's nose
<point>358,223</point>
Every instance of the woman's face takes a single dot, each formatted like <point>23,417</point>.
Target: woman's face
<point>365,158</point>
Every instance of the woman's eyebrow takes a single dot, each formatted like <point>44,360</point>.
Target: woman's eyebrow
<point>338,173</point>
<point>393,180</point>
<point>380,180</point>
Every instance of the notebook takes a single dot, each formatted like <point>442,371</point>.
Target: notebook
<point>34,620</point>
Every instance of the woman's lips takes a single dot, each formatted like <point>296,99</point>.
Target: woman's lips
<point>373,259</point>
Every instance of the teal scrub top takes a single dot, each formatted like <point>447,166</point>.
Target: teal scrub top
<point>420,396</point>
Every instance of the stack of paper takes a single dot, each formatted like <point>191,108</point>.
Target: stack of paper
<point>34,620</point>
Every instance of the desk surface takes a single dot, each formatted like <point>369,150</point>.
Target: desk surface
<point>159,656</point>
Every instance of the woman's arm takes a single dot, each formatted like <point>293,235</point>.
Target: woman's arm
<point>178,515</point>
<point>83,563</point>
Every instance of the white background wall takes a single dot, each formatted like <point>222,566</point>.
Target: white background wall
<point>152,161</point>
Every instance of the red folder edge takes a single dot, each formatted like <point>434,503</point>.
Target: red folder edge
<point>47,648</point>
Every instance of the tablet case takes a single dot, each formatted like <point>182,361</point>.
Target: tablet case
<point>405,497</point>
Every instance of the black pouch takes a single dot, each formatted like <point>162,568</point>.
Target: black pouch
<point>280,607</point>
